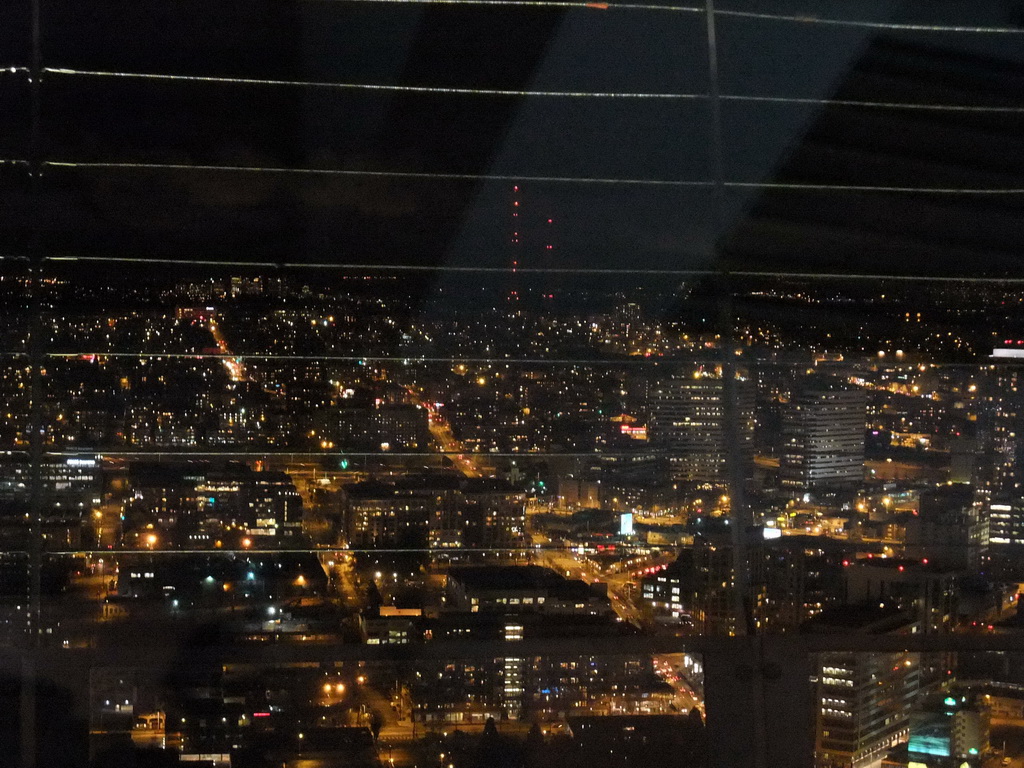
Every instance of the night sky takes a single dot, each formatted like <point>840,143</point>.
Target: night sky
<point>275,217</point>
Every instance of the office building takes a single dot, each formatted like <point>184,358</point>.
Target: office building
<point>823,437</point>
<point>950,529</point>
<point>689,424</point>
<point>864,699</point>
<point>696,590</point>
<point>1006,537</point>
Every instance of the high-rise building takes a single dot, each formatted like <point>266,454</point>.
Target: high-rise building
<point>949,529</point>
<point>697,588</point>
<point>923,591</point>
<point>689,423</point>
<point>823,437</point>
<point>864,699</point>
<point>1005,446</point>
<point>1006,524</point>
<point>798,577</point>
<point>1006,537</point>
<point>1005,436</point>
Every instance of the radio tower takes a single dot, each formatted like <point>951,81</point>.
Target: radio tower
<point>513,294</point>
<point>518,235</point>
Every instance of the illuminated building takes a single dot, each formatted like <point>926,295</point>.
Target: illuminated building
<point>68,485</point>
<point>688,423</point>
<point>1006,419</point>
<point>446,512</point>
<point>69,488</point>
<point>948,731</point>
<point>1006,511</point>
<point>823,437</point>
<point>696,589</point>
<point>1006,536</point>
<point>392,626</point>
<point>799,577</point>
<point>264,504</point>
<point>1006,524</point>
<point>864,699</point>
<point>523,589</point>
<point>358,425</point>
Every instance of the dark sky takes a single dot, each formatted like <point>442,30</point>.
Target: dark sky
<point>359,219</point>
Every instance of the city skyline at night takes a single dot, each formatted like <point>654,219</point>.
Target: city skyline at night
<point>511,384</point>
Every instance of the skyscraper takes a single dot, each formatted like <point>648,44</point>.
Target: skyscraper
<point>864,699</point>
<point>1006,399</point>
<point>823,437</point>
<point>949,529</point>
<point>688,423</point>
<point>864,702</point>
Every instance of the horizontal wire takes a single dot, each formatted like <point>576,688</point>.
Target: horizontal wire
<point>871,277</point>
<point>370,358</point>
<point>337,549</point>
<point>520,93</point>
<point>160,451</point>
<point>276,170</point>
<point>383,267</point>
<point>334,550</point>
<point>777,185</point>
<point>764,16</point>
<point>334,454</point>
<point>620,547</point>
<point>603,6</point>
<point>723,271</point>
<point>861,363</point>
<point>888,25</point>
<point>377,86</point>
<point>630,361</point>
<point>871,104</point>
<point>813,187</point>
<point>864,361</point>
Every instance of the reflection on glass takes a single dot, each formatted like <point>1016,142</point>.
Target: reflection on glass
<point>460,383</point>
